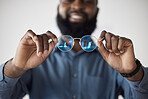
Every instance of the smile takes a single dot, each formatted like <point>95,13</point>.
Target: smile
<point>74,17</point>
<point>77,17</point>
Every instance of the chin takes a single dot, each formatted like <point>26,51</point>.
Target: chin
<point>76,24</point>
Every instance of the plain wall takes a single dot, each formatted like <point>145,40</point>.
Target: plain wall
<point>128,18</point>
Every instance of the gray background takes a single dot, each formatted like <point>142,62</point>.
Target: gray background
<point>128,18</point>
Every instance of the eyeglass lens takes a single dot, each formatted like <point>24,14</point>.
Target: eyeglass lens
<point>65,43</point>
<point>87,43</point>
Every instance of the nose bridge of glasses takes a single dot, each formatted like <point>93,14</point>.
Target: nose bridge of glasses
<point>77,38</point>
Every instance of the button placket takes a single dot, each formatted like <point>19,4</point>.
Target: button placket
<point>75,77</point>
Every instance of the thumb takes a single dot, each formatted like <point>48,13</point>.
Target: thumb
<point>104,52</point>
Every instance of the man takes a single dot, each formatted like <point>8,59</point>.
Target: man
<point>44,73</point>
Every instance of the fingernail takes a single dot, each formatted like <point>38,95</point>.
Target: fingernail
<point>55,40</point>
<point>40,54</point>
<point>117,53</point>
<point>46,52</point>
<point>99,45</point>
<point>121,51</point>
<point>35,38</point>
<point>110,50</point>
<point>100,39</point>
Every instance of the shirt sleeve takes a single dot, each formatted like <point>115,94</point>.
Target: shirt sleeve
<point>143,84</point>
<point>140,88</point>
<point>10,88</point>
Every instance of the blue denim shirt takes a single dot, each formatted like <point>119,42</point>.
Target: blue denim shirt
<point>70,75</point>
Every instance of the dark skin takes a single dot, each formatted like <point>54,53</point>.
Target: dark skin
<point>34,49</point>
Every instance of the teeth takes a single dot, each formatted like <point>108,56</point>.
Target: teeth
<point>76,17</point>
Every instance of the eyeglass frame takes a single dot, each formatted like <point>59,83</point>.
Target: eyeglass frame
<point>79,42</point>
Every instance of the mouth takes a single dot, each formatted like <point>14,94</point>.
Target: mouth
<point>77,18</point>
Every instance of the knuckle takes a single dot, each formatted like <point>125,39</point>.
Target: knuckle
<point>29,31</point>
<point>48,31</point>
<point>110,34</point>
<point>39,37</point>
<point>107,35</point>
<point>45,36</point>
<point>113,38</point>
<point>50,34</point>
<point>121,39</point>
<point>54,36</point>
<point>130,41</point>
<point>103,33</point>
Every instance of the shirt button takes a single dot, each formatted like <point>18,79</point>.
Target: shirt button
<point>74,97</point>
<point>75,75</point>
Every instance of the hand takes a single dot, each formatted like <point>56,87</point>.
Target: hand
<point>34,49</point>
<point>118,52</point>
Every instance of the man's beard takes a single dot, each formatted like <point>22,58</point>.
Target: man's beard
<point>76,30</point>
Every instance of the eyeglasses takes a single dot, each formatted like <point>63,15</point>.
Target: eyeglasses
<point>66,42</point>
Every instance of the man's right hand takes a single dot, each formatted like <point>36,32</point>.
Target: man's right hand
<point>32,51</point>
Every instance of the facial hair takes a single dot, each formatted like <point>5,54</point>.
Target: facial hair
<point>76,30</point>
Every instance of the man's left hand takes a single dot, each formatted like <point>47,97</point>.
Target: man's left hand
<point>118,52</point>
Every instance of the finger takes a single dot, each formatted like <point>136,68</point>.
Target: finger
<point>39,44</point>
<point>104,52</point>
<point>108,37</point>
<point>36,39</point>
<point>30,35</point>
<point>114,43</point>
<point>45,43</point>
<point>102,36</point>
<point>51,47</point>
<point>52,36</point>
<point>123,44</point>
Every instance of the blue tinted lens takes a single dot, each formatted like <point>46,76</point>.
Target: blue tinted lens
<point>88,43</point>
<point>65,43</point>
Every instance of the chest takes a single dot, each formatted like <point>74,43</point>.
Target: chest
<point>86,76</point>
